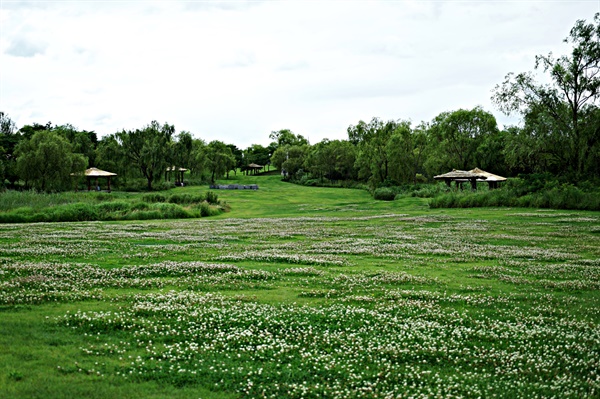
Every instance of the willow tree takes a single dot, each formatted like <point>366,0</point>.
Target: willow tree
<point>46,161</point>
<point>148,149</point>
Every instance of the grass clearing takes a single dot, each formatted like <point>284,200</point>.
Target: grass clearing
<point>304,292</point>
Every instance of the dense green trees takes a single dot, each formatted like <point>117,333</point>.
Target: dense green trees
<point>458,137</point>
<point>148,149</point>
<point>46,161</point>
<point>219,159</point>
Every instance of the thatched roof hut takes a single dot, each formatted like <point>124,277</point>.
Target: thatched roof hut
<point>461,176</point>
<point>96,173</point>
<point>179,172</point>
<point>489,176</point>
<point>253,168</point>
<point>473,176</point>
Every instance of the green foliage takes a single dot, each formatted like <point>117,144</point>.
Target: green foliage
<point>170,211</point>
<point>287,138</point>
<point>290,159</point>
<point>46,161</point>
<point>154,197</point>
<point>212,197</point>
<point>461,139</point>
<point>148,149</point>
<point>30,206</point>
<point>185,198</point>
<point>333,160</point>
<point>219,159</point>
<point>384,193</point>
<point>529,192</point>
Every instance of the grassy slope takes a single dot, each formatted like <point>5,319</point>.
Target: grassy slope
<point>31,344</point>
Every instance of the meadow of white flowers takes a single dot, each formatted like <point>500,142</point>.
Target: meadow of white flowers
<point>391,306</point>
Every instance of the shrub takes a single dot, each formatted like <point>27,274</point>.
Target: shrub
<point>212,198</point>
<point>140,206</point>
<point>113,206</point>
<point>517,193</point>
<point>384,193</point>
<point>206,209</point>
<point>154,197</point>
<point>72,213</point>
<point>171,211</point>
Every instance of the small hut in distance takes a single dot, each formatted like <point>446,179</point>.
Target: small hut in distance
<point>472,176</point>
<point>492,179</point>
<point>97,173</point>
<point>178,174</point>
<point>252,168</point>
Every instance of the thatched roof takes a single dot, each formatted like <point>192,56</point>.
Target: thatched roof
<point>488,175</point>
<point>460,174</point>
<point>95,172</point>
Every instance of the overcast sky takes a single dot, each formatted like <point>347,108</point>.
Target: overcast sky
<point>237,70</point>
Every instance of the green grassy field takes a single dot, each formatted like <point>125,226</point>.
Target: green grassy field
<point>304,292</point>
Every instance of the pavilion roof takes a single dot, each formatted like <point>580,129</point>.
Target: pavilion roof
<point>461,174</point>
<point>253,165</point>
<point>490,176</point>
<point>95,172</point>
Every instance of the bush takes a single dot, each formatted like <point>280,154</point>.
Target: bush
<point>114,206</point>
<point>72,213</point>
<point>206,209</point>
<point>384,193</point>
<point>140,206</point>
<point>525,194</point>
<point>171,211</point>
<point>154,197</point>
<point>212,198</point>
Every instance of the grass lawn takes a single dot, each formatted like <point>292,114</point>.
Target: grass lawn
<point>304,292</point>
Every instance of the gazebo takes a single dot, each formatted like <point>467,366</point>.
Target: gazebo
<point>492,179</point>
<point>461,176</point>
<point>97,173</point>
<point>178,174</point>
<point>254,168</point>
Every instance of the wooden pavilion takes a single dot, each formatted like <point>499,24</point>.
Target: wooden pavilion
<point>473,176</point>
<point>492,179</point>
<point>461,176</point>
<point>178,174</point>
<point>98,173</point>
<point>253,168</point>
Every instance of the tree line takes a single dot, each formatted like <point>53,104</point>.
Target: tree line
<point>559,134</point>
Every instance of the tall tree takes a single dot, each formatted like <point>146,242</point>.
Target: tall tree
<point>219,159</point>
<point>287,137</point>
<point>148,149</point>
<point>290,159</point>
<point>371,139</point>
<point>82,142</point>
<point>561,113</point>
<point>9,138</point>
<point>457,136</point>
<point>406,150</point>
<point>47,161</point>
<point>333,160</point>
